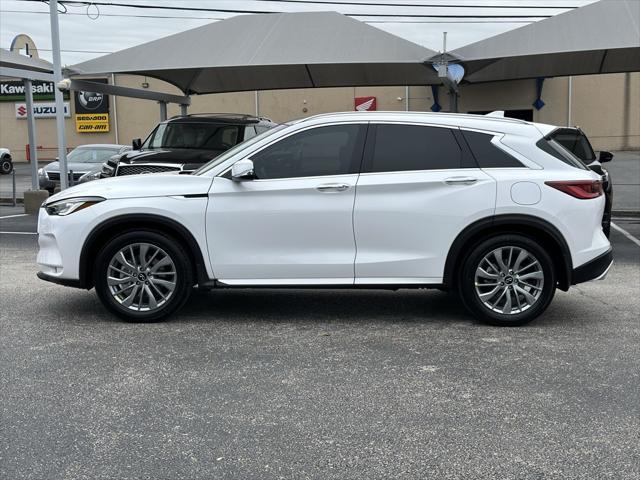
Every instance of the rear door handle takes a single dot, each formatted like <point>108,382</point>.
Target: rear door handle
<point>460,180</point>
<point>333,187</point>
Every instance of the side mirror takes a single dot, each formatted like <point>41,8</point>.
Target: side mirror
<point>136,144</point>
<point>605,157</point>
<point>242,170</point>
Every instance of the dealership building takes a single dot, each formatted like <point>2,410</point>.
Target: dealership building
<point>605,106</point>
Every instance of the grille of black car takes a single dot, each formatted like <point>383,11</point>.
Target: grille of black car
<point>56,176</point>
<point>140,169</point>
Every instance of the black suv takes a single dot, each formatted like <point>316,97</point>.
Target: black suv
<point>574,140</point>
<point>184,143</point>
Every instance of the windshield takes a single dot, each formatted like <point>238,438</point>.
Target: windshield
<point>91,155</point>
<point>199,136</point>
<point>229,153</point>
<point>576,142</point>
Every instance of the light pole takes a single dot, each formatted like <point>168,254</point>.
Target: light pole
<point>57,77</point>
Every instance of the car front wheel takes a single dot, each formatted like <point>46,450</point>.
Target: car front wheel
<point>143,276</point>
<point>507,280</point>
<point>6,166</point>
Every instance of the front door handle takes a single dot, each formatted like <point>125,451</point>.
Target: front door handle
<point>333,187</point>
<point>460,180</point>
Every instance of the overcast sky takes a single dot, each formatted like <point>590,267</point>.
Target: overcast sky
<point>83,36</point>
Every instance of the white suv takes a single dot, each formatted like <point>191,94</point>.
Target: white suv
<point>490,207</point>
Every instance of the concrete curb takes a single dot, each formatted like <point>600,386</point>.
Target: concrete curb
<point>625,213</point>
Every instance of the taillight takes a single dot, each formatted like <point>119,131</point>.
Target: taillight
<point>582,189</point>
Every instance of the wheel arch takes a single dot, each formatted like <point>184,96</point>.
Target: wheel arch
<point>107,229</point>
<point>535,227</point>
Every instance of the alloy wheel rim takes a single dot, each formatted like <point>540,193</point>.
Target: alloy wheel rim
<point>141,277</point>
<point>509,280</point>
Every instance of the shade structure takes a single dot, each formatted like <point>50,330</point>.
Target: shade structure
<point>273,51</point>
<point>9,59</point>
<point>603,37</point>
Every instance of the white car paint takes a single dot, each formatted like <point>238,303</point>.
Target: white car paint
<point>384,228</point>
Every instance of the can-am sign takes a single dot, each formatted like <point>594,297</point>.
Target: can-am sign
<point>41,110</point>
<point>13,90</point>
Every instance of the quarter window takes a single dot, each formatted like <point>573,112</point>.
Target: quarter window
<point>413,147</point>
<point>330,150</point>
<point>486,153</point>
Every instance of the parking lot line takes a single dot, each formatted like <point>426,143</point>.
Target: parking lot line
<point>14,216</point>
<point>18,233</point>
<point>626,234</point>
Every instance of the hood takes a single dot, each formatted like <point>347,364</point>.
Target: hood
<point>176,155</point>
<point>76,167</point>
<point>138,186</point>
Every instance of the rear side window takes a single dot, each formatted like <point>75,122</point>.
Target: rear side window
<point>400,148</point>
<point>487,154</point>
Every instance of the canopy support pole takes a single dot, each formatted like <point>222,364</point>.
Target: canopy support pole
<point>57,77</point>
<point>569,95</point>
<point>163,111</point>
<point>183,109</point>
<point>31,127</point>
<point>453,101</point>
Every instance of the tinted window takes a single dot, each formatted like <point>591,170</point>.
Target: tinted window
<point>203,136</point>
<point>561,153</point>
<point>331,150</point>
<point>576,142</point>
<point>486,153</point>
<point>412,147</point>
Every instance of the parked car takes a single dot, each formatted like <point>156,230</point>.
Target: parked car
<point>488,207</point>
<point>575,141</point>
<point>185,143</point>
<point>6,162</point>
<point>85,160</point>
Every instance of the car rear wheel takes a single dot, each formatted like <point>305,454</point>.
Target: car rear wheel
<point>143,276</point>
<point>507,280</point>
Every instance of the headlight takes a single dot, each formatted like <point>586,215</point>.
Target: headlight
<point>70,205</point>
<point>42,173</point>
<point>87,177</point>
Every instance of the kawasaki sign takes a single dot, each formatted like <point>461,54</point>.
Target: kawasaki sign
<point>14,91</point>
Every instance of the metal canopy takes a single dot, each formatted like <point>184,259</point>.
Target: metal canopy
<point>603,37</point>
<point>20,66</point>
<point>274,51</point>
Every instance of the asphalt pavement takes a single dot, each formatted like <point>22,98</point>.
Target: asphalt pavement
<point>267,384</point>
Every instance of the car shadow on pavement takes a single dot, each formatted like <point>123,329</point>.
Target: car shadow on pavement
<point>354,306</point>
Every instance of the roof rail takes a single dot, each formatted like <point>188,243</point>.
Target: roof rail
<point>243,116</point>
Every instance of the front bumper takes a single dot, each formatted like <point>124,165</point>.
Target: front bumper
<point>595,269</point>
<point>67,282</point>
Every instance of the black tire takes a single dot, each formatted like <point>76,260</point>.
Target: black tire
<point>470,296</point>
<point>173,249</point>
<point>6,166</point>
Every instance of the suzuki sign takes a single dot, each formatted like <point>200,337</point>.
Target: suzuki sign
<point>41,110</point>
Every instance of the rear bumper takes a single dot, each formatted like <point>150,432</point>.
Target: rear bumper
<point>595,269</point>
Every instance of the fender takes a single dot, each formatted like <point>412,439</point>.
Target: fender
<point>504,223</point>
<point>158,222</point>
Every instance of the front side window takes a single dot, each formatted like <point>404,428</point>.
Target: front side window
<point>321,151</point>
<point>400,148</point>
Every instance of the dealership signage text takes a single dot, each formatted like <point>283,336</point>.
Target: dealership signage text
<point>13,90</point>
<point>41,110</point>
